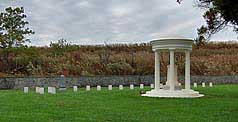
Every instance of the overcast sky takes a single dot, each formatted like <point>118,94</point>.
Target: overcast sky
<point>111,21</point>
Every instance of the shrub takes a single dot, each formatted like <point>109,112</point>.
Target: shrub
<point>119,68</point>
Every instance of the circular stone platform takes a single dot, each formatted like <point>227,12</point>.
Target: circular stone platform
<point>173,94</point>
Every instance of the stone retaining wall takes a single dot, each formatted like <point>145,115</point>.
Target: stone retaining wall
<point>13,82</point>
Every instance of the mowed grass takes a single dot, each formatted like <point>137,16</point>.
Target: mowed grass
<point>220,104</point>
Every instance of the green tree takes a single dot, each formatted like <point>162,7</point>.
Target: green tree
<point>13,27</point>
<point>12,32</point>
<point>219,15</point>
<point>59,47</point>
<point>202,34</point>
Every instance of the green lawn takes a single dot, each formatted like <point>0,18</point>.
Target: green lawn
<point>220,104</point>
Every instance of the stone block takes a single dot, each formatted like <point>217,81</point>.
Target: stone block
<point>41,91</point>
<point>87,88</point>
<point>109,87</point>
<point>37,89</point>
<point>141,86</point>
<point>75,88</point>
<point>53,90</point>
<point>195,85</point>
<point>120,87</point>
<point>99,88</point>
<point>49,89</point>
<point>26,89</point>
<point>210,84</point>
<point>131,86</point>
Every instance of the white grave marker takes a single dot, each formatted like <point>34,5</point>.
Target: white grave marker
<point>210,84</point>
<point>87,88</point>
<point>195,85</point>
<point>203,85</point>
<point>41,91</point>
<point>141,86</point>
<point>53,90</point>
<point>152,86</point>
<point>37,89</point>
<point>49,89</point>
<point>120,87</point>
<point>75,88</point>
<point>98,88</point>
<point>131,86</point>
<point>25,89</point>
<point>109,87</point>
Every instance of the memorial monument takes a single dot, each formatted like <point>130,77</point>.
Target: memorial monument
<point>62,86</point>
<point>172,88</point>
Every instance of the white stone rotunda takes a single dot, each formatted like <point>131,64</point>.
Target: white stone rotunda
<point>171,45</point>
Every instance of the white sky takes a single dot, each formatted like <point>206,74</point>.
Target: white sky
<point>111,21</point>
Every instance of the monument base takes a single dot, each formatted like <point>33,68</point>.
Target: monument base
<point>173,94</point>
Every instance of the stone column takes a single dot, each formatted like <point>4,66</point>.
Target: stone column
<point>171,79</point>
<point>157,71</point>
<point>187,70</point>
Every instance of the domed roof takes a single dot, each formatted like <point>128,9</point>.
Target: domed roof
<point>172,42</point>
<point>172,36</point>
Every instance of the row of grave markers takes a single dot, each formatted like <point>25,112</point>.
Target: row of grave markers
<point>52,90</point>
<point>203,84</point>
